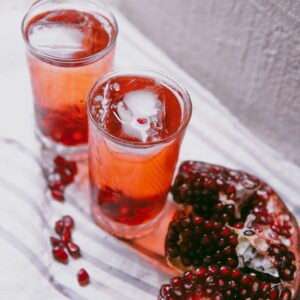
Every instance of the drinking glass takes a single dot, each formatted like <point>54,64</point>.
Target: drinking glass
<point>70,44</point>
<point>137,120</point>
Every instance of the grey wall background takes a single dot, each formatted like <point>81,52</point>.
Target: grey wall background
<point>246,52</point>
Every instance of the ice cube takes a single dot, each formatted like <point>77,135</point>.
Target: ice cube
<point>57,39</point>
<point>142,115</point>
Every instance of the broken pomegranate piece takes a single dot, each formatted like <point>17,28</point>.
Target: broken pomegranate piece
<point>235,222</point>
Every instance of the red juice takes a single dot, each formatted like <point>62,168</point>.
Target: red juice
<point>137,122</point>
<point>68,50</point>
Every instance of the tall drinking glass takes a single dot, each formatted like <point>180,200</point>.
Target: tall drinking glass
<point>70,44</point>
<point>137,120</point>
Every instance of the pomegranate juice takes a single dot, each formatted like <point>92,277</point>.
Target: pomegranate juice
<point>68,50</point>
<point>137,122</point>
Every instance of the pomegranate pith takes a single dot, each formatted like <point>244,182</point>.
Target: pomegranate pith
<point>54,241</point>
<point>233,225</point>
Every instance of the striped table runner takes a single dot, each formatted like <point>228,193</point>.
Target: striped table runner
<point>119,270</point>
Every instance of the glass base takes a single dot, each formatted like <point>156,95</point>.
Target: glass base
<point>122,230</point>
<point>52,148</point>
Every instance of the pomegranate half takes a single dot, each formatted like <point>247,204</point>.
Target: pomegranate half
<point>234,238</point>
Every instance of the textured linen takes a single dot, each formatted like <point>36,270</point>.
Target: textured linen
<point>119,270</point>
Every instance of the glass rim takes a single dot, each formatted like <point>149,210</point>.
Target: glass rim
<point>86,59</point>
<point>148,73</point>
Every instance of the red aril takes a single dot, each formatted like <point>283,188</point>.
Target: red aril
<point>83,277</point>
<point>60,254</point>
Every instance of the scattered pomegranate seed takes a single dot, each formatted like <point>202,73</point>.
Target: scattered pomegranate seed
<point>66,237</point>
<point>60,254</point>
<point>60,161</point>
<point>83,277</point>
<point>58,195</point>
<point>68,222</point>
<point>54,241</point>
<point>72,166</point>
<point>59,227</point>
<point>73,249</point>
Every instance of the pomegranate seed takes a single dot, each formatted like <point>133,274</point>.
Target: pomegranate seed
<point>59,227</point>
<point>73,249</point>
<point>201,272</point>
<point>67,178</point>
<point>72,166</point>
<point>60,255</point>
<point>83,277</point>
<point>59,161</point>
<point>58,195</point>
<point>142,121</point>
<point>225,271</point>
<point>54,241</point>
<point>176,282</point>
<point>66,237</point>
<point>68,222</point>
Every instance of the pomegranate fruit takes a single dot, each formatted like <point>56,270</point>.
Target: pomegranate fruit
<point>235,238</point>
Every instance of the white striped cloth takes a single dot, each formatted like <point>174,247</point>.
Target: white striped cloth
<point>119,270</point>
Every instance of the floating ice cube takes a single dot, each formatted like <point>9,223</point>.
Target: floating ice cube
<point>58,39</point>
<point>142,115</point>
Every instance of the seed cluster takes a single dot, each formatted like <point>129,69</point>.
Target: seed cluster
<point>63,246</point>
<point>221,283</point>
<point>197,241</point>
<point>284,261</point>
<point>61,176</point>
<point>199,184</point>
